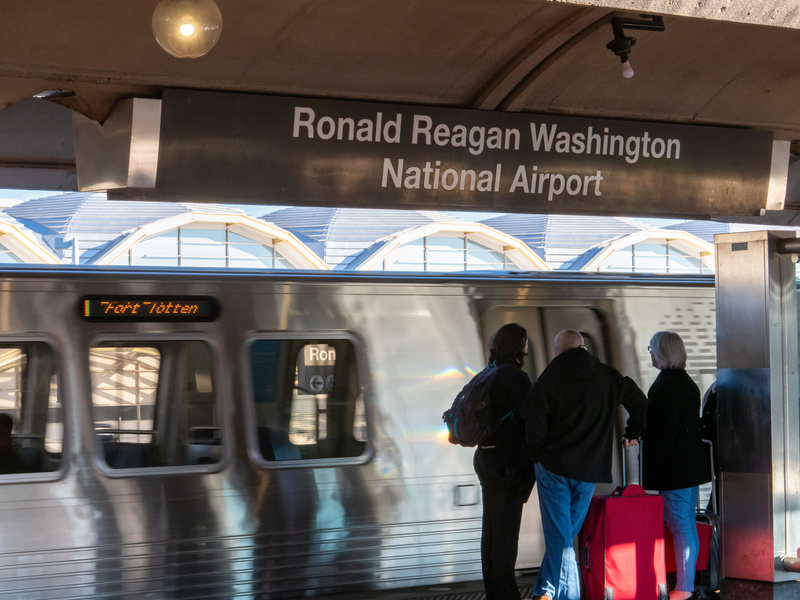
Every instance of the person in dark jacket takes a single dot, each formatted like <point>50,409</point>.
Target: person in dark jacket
<point>674,458</point>
<point>569,422</point>
<point>502,466</point>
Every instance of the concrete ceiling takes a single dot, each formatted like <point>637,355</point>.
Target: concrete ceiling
<point>512,55</point>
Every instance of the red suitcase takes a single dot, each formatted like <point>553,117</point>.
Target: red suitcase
<point>622,543</point>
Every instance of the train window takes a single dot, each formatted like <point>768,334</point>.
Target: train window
<point>308,402</point>
<point>154,404</point>
<point>31,419</point>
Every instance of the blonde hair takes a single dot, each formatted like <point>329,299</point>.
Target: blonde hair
<point>668,349</point>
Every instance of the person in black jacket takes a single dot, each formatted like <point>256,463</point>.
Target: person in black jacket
<point>569,423</point>
<point>502,467</point>
<point>674,458</point>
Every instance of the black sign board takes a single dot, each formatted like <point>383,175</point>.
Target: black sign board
<point>144,308</point>
<point>260,149</point>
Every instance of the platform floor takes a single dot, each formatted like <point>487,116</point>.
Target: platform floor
<point>473,590</point>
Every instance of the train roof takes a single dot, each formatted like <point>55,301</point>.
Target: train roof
<point>68,272</point>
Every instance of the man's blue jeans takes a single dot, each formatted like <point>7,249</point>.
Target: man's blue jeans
<point>563,503</point>
<point>681,517</point>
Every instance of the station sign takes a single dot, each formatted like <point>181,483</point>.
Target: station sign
<point>258,149</point>
<point>315,365</point>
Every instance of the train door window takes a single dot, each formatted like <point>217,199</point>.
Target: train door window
<point>583,319</point>
<point>307,399</point>
<point>154,404</point>
<point>531,319</point>
<point>31,418</point>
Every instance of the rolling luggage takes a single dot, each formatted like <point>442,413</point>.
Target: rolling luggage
<point>622,545</point>
<point>708,527</point>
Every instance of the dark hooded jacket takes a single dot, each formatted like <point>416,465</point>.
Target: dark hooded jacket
<point>570,414</point>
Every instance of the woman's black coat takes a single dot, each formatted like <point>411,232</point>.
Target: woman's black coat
<point>674,454</point>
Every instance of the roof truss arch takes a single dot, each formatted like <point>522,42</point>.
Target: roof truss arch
<point>285,242</point>
<point>519,253</point>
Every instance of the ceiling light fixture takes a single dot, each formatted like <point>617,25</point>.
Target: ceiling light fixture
<point>187,28</point>
<point>621,44</point>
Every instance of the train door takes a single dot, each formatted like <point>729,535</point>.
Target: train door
<point>543,324</point>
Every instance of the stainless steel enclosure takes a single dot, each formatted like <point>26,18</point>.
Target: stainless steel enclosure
<point>759,413</point>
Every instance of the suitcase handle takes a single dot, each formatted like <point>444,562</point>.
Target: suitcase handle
<point>625,470</point>
<point>710,445</point>
<point>586,564</point>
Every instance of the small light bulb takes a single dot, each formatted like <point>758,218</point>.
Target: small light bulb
<point>187,28</point>
<point>627,69</point>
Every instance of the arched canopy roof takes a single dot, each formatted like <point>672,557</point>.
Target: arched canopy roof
<point>482,234</point>
<point>594,258</point>
<point>268,234</point>
<point>23,244</point>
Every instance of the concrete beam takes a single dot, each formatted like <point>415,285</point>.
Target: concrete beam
<point>778,13</point>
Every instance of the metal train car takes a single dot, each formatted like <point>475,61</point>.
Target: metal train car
<point>269,435</point>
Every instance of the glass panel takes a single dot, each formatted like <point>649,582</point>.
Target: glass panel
<point>408,257</point>
<point>282,263</point>
<point>145,420</point>
<point>308,403</point>
<point>485,259</point>
<point>651,258</point>
<point>251,263</point>
<point>201,236</point>
<point>155,262</point>
<point>235,238</point>
<point>437,243</point>
<point>165,244</point>
<point>187,261</point>
<point>472,245</point>
<point>445,253</point>
<point>250,250</point>
<point>621,260</point>
<point>445,267</point>
<point>31,419</point>
<point>681,262</point>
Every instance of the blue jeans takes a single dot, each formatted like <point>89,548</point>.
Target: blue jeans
<point>680,515</point>
<point>563,503</point>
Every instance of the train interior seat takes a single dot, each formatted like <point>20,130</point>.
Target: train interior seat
<point>203,447</point>
<point>127,455</point>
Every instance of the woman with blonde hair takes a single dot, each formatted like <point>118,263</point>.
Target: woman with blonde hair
<point>675,460</point>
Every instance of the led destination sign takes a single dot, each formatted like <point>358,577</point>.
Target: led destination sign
<point>149,308</point>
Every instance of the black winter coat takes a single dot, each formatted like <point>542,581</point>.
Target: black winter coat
<point>673,453</point>
<point>501,460</point>
<point>571,412</point>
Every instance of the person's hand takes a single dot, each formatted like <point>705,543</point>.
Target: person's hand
<point>628,443</point>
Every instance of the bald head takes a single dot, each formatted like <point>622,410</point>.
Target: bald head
<point>567,340</point>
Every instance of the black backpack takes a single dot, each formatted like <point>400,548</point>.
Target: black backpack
<point>471,420</point>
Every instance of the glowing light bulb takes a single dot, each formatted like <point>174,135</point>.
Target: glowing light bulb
<point>627,69</point>
<point>187,28</point>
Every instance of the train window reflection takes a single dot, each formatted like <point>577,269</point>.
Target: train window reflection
<point>308,402</point>
<point>31,419</point>
<point>154,405</point>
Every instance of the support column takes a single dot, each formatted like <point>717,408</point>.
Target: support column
<point>759,414</point>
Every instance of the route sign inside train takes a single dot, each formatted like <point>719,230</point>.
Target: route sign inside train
<point>301,151</point>
<point>144,308</point>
